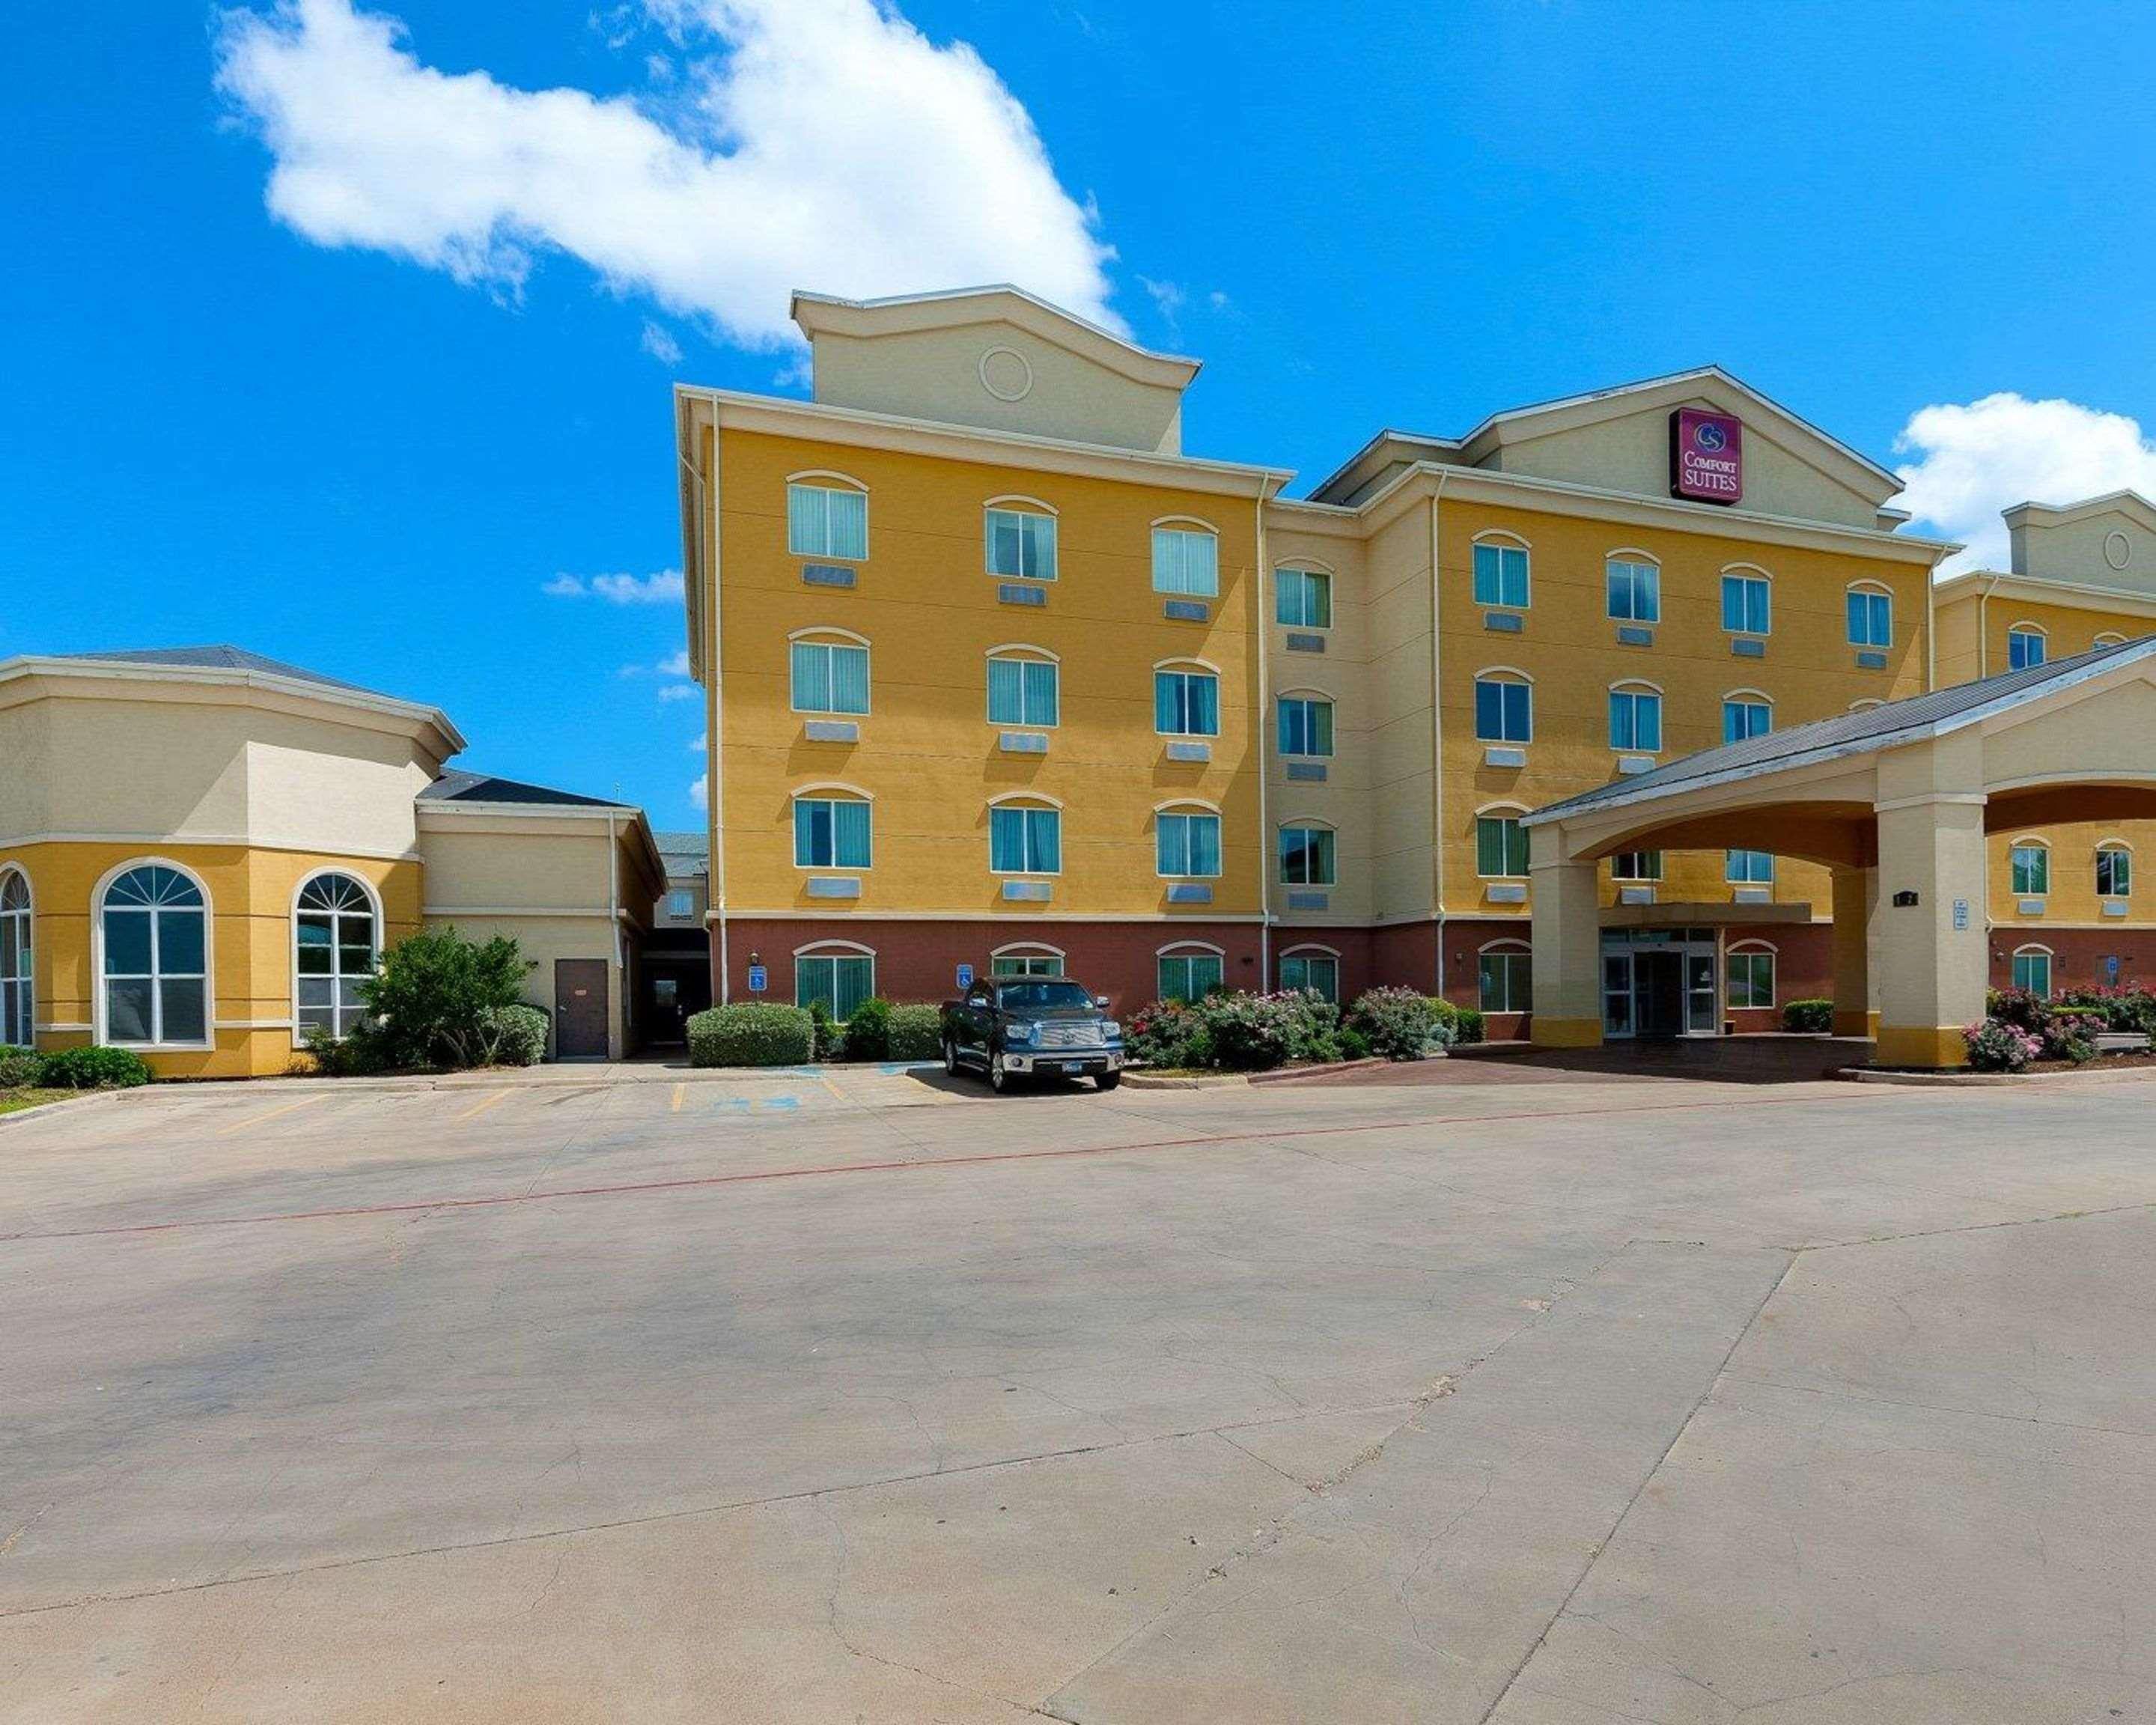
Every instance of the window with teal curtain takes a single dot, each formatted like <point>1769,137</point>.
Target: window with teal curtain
<point>1186,703</point>
<point>826,522</point>
<point>1022,691</point>
<point>840,980</point>
<point>1501,576</point>
<point>1633,591</point>
<point>1188,976</point>
<point>1021,544</point>
<point>1306,856</point>
<point>1306,726</point>
<point>1870,618</point>
<point>829,678</point>
<point>1743,720</point>
<point>1749,868</point>
<point>1501,845</point>
<point>1187,561</point>
<point>1505,980</point>
<point>1302,599</point>
<point>2025,649</point>
<point>1316,972</point>
<point>1747,605</point>
<point>1026,841</point>
<point>2031,870</point>
<point>830,833</point>
<point>1187,845</point>
<point>1635,720</point>
<point>2032,970</point>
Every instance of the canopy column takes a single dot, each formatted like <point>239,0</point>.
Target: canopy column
<point>1856,933</point>
<point>1568,941</point>
<point>1931,938</point>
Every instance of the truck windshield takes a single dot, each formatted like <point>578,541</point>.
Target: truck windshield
<point>1042,997</point>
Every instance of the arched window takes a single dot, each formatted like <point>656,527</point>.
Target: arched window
<point>1307,857</point>
<point>832,828</point>
<point>1186,698</point>
<point>1746,713</point>
<point>1025,687</point>
<point>1749,979</point>
<point>2027,646</point>
<point>1501,842</point>
<point>1313,969</point>
<point>1026,958</point>
<point>1189,970</point>
<point>1306,723</point>
<point>1635,718</point>
<point>1866,705</point>
<point>1505,976</point>
<point>2032,969</point>
<point>1302,596</point>
<point>827,516</point>
<point>1186,557</point>
<point>1504,705</point>
<point>840,974</point>
<point>1018,538</point>
<point>18,1007</point>
<point>153,958</point>
<point>1502,576</point>
<point>2109,637</point>
<point>829,671</point>
<point>1870,608</point>
<point>1187,841</point>
<point>2030,863</point>
<point>2114,874</point>
<point>1632,584</point>
<point>1025,836</point>
<point>336,940</point>
<point>1747,599</point>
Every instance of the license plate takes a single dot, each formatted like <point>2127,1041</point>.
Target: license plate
<point>1074,1065</point>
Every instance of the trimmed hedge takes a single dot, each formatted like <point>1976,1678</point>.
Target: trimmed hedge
<point>517,1035</point>
<point>752,1034</point>
<point>18,1066</point>
<point>1808,1018</point>
<point>916,1032</point>
<point>867,1036</point>
<point>1467,1021</point>
<point>92,1069</point>
<point>1401,1025</point>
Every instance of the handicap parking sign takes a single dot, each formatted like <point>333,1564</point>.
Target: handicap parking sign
<point>965,978</point>
<point>759,979</point>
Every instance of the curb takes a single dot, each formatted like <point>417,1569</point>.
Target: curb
<point>45,1111</point>
<point>1209,1081</point>
<point>559,1077</point>
<point>1988,1081</point>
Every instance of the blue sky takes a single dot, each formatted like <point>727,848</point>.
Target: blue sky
<point>365,415</point>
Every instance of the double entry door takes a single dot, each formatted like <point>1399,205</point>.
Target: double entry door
<point>1658,984</point>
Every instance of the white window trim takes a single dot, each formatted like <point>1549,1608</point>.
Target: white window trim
<point>1022,653</point>
<point>292,930</point>
<point>1026,799</point>
<point>822,636</point>
<point>834,949</point>
<point>1190,949</point>
<point>1866,585</point>
<point>2036,629</point>
<point>1631,554</point>
<point>1306,695</point>
<point>831,791</point>
<point>1502,674</point>
<point>1307,824</point>
<point>2032,949</point>
<point>1307,566</point>
<point>1747,572</point>
<point>2121,847</point>
<point>1490,811</point>
<point>1636,686</point>
<point>1027,949</point>
<point>1654,879</point>
<point>1509,945</point>
<point>829,479</point>
<point>1183,524</point>
<point>29,914</point>
<point>2030,841</point>
<point>2108,638</point>
<point>1188,667</point>
<point>1510,541</point>
<point>1749,947</point>
<point>97,1015</point>
<point>1017,503</point>
<point>1189,805</point>
<point>1307,949</point>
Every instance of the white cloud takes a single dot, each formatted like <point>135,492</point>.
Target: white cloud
<point>702,742</point>
<point>1167,295</point>
<point>658,341</point>
<point>700,792</point>
<point>815,143</point>
<point>676,664</point>
<point>1977,458</point>
<point>662,589</point>
<point>678,691</point>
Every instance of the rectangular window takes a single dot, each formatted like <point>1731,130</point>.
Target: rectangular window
<point>680,902</point>
<point>830,833</point>
<point>1188,976</point>
<point>1635,591</point>
<point>1749,868</point>
<point>1741,720</point>
<point>1306,726</point>
<point>1302,599</point>
<point>1187,845</point>
<point>1315,972</point>
<point>1186,703</point>
<point>1504,711</point>
<point>1635,722</point>
<point>1023,691</point>
<point>1020,544</point>
<point>1636,866</point>
<point>1751,979</point>
<point>2032,970</point>
<point>1870,618</point>
<point>830,678</point>
<point>1505,981</point>
<point>1501,576</point>
<point>1746,607</point>
<point>1026,841</point>
<point>1186,561</point>
<point>1025,964</point>
<point>2032,870</point>
<point>2025,648</point>
<point>1306,856</point>
<point>2114,873</point>
<point>826,522</point>
<point>1500,846</point>
<point>841,980</point>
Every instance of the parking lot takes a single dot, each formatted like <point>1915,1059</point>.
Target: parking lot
<point>862,1395</point>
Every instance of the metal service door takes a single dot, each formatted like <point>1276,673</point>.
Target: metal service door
<point>580,1009</point>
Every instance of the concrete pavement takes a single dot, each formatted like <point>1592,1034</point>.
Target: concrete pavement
<point>1544,1403</point>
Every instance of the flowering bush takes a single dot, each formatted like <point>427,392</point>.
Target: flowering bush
<point>2130,1009</point>
<point>1168,1034</point>
<point>1994,1045</point>
<point>1400,1023</point>
<point>2067,1034</point>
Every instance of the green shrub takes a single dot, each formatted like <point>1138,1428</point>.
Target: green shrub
<point>825,1034</point>
<point>752,1034</point>
<point>1252,1033</point>
<point>867,1032</point>
<point>432,1002</point>
<point>2130,1009</point>
<point>18,1067</point>
<point>349,1057</point>
<point>916,1032</point>
<point>1997,1045</point>
<point>1400,1023</point>
<point>1168,1033</point>
<point>92,1069</point>
<point>1354,1046</point>
<point>1471,1025</point>
<point>516,1035</point>
<point>1808,1018</point>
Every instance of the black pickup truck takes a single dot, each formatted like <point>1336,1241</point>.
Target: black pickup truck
<point>1018,1027</point>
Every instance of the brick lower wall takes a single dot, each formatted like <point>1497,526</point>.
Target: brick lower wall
<point>2077,955</point>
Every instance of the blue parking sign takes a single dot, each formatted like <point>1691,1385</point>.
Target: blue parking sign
<point>759,979</point>
<point>965,978</point>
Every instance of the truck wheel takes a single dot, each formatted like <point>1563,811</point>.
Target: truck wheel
<point>999,1075</point>
<point>1109,1080</point>
<point>950,1058</point>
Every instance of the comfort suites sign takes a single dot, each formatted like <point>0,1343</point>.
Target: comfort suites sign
<point>1706,456</point>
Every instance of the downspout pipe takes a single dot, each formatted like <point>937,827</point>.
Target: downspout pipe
<point>1437,726</point>
<point>1262,736</point>
<point>708,583</point>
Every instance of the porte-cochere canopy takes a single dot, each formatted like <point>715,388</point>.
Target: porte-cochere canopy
<point>1896,800</point>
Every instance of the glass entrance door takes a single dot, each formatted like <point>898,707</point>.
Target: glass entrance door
<point>1701,1019</point>
<point>1616,994</point>
<point>1659,982</point>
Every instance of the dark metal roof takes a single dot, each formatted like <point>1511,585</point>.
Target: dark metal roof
<point>455,786</point>
<point>692,848</point>
<point>1851,733</point>
<point>223,658</point>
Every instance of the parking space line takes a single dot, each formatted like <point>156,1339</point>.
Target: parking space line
<point>254,1120</point>
<point>681,1094</point>
<point>479,1108</point>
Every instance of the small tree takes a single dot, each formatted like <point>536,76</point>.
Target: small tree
<point>435,1000</point>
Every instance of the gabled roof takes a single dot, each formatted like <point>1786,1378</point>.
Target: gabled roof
<point>1912,719</point>
<point>220,658</point>
<point>460,787</point>
<point>2129,503</point>
<point>692,850</point>
<point>950,307</point>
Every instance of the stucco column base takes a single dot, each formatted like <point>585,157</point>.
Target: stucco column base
<point>1567,1033</point>
<point>1856,1023</point>
<point>1900,1046</point>
<point>1567,942</point>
